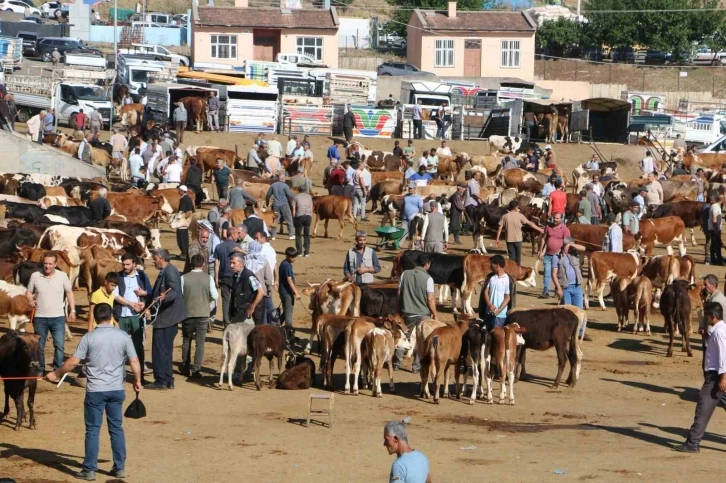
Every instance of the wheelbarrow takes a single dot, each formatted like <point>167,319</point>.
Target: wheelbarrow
<point>389,235</point>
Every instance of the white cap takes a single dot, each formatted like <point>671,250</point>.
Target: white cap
<point>183,188</point>
<point>549,146</point>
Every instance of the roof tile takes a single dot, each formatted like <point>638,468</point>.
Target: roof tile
<point>266,18</point>
<point>478,21</point>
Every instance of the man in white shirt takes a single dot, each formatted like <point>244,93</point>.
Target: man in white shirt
<point>713,391</point>
<point>593,163</point>
<point>613,241</point>
<point>274,148</point>
<point>444,149</point>
<point>291,144</point>
<point>136,162</point>
<point>714,229</point>
<point>173,171</point>
<point>423,161</point>
<point>647,165</point>
<point>269,253</point>
<point>640,199</point>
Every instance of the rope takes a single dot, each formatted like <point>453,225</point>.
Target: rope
<point>37,378</point>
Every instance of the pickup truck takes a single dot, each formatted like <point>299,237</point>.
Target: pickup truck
<point>298,59</point>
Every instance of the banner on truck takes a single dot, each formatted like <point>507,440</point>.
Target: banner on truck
<point>307,120</point>
<point>375,122</point>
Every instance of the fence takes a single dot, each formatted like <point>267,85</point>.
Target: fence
<point>11,29</point>
<point>711,80</point>
<point>161,35</point>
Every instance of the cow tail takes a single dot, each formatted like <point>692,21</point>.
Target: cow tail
<point>433,356</point>
<point>463,283</point>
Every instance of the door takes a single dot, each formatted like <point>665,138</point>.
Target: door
<point>472,58</point>
<point>266,44</point>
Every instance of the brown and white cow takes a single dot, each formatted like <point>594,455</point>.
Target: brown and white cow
<point>520,179</point>
<point>592,236</point>
<point>637,293</point>
<point>14,305</point>
<point>476,269</point>
<point>688,211</point>
<point>450,166</point>
<point>503,354</point>
<point>661,270</point>
<point>604,266</point>
<point>662,232</point>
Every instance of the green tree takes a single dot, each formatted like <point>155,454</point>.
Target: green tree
<point>556,37</point>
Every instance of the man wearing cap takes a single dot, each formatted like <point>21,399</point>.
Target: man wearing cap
<point>630,219</point>
<point>182,234</point>
<point>549,157</point>
<point>456,211</point>
<point>435,231</point>
<point>613,241</point>
<point>180,121</point>
<point>512,223</point>
<point>361,261</point>
<point>647,165</point>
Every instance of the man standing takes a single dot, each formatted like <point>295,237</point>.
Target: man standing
<point>422,178</point>
<point>567,274</point>
<point>457,210</point>
<point>613,241</point>
<point>495,297</point>
<point>512,223</point>
<point>247,292</point>
<point>558,200</point>
<point>593,163</point>
<point>104,350</point>
<point>411,466</point>
<point>254,163</point>
<point>416,301</point>
<point>172,310</point>
<point>549,187</point>
<point>333,153</point>
<point>193,181</point>
<point>472,194</point>
<point>595,205</point>
<point>48,121</point>
<point>223,272</point>
<point>199,292</point>
<point>96,121</point>
<point>35,127</point>
<point>216,213</point>
<point>129,297</point>
<point>654,192</point>
<point>302,215</point>
<point>254,223</point>
<point>584,209</point>
<point>640,199</point>
<point>348,124</point>
<point>714,229</point>
<point>412,204</point>
<point>186,206</point>
<point>180,121</point>
<point>46,293</point>
<point>550,245</point>
<point>647,165</point>
<point>222,178</point>
<point>435,231</point>
<point>287,288</point>
<point>327,171</point>
<point>529,124</point>
<point>100,207</point>
<point>270,255</point>
<point>630,219</point>
<point>417,120</point>
<point>713,391</point>
<point>361,262</point>
<point>239,197</point>
<point>283,196</point>
<point>409,151</point>
<point>213,108</point>
<point>336,180</point>
<point>136,162</point>
<point>119,143</point>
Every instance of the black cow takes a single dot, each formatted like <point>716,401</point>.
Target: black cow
<point>28,213</point>
<point>378,301</point>
<point>444,270</point>
<point>550,327</point>
<point>76,215</point>
<point>133,229</point>
<point>23,270</point>
<point>675,305</point>
<point>32,191</point>
<point>20,357</point>
<point>102,145</point>
<point>84,188</point>
<point>11,238</point>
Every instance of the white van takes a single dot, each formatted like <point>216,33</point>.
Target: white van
<point>155,50</point>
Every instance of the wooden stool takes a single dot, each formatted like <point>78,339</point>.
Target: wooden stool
<point>328,411</point>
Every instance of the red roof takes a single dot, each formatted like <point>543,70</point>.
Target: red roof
<point>477,21</point>
<point>267,18</point>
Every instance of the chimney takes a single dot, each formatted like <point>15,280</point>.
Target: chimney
<point>452,9</point>
<point>241,3</point>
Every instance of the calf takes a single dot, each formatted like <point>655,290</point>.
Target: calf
<point>333,207</point>
<point>675,305</point>
<point>20,357</point>
<point>475,350</point>
<point>688,211</point>
<point>301,375</point>
<point>637,293</point>
<point>381,343</point>
<point>443,348</point>
<point>661,270</point>
<point>604,266</point>
<point>549,327</point>
<point>14,305</point>
<point>268,341</point>
<point>32,191</point>
<point>662,232</point>
<point>234,344</point>
<point>504,355</point>
<point>331,330</point>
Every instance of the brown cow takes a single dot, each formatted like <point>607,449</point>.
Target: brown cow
<point>383,188</point>
<point>604,266</point>
<point>207,158</point>
<point>637,293</point>
<point>333,207</point>
<point>14,305</point>
<point>520,179</point>
<point>476,269</point>
<point>378,176</point>
<point>676,309</point>
<point>450,166</point>
<point>64,263</point>
<point>661,270</point>
<point>172,196</point>
<point>503,349</point>
<point>137,207</point>
<point>197,109</point>
<point>130,115</point>
<point>442,350</point>
<point>662,231</point>
<point>688,211</point>
<point>592,236</point>
<point>89,256</point>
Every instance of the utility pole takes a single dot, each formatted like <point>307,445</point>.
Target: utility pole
<point>115,59</point>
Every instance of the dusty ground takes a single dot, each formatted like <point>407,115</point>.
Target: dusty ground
<point>629,406</point>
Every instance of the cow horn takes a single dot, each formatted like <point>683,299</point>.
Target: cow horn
<point>235,149</point>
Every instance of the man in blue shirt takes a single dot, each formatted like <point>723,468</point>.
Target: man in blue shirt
<point>640,199</point>
<point>411,466</point>
<point>549,187</point>
<point>409,171</point>
<point>333,152</point>
<point>422,178</point>
<point>48,121</point>
<point>286,280</point>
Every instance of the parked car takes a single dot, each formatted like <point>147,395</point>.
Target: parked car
<point>400,68</point>
<point>18,7</point>
<point>399,43</point>
<point>146,24</point>
<point>30,41</point>
<point>49,9</point>
<point>623,55</point>
<point>47,44</point>
<point>155,50</point>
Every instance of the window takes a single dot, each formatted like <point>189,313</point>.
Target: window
<point>224,46</point>
<point>310,46</point>
<point>510,54</point>
<point>444,53</point>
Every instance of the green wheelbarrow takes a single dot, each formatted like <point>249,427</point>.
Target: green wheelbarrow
<point>389,235</point>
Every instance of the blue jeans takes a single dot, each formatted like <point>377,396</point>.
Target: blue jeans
<point>93,408</point>
<point>269,307</point>
<point>547,274</point>
<point>56,327</point>
<point>492,321</point>
<point>572,295</point>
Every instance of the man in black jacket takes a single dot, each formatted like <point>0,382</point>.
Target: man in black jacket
<point>193,181</point>
<point>247,293</point>
<point>171,312</point>
<point>100,207</point>
<point>182,234</point>
<point>348,125</point>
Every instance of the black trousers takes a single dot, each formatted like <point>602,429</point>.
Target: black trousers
<point>348,133</point>
<point>182,240</point>
<point>302,233</point>
<point>418,129</point>
<point>193,328</point>
<point>514,250</point>
<point>222,190</point>
<point>708,399</point>
<point>455,225</point>
<point>198,195</point>
<point>716,247</point>
<point>162,347</point>
<point>707,246</point>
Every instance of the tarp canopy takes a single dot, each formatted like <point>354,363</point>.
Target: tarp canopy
<point>542,105</point>
<point>604,104</point>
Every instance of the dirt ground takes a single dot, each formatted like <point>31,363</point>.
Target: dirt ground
<point>629,406</point>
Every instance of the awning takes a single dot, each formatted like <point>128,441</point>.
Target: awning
<point>604,104</point>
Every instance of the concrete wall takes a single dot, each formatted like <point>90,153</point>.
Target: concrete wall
<point>422,52</point>
<point>19,155</point>
<point>157,36</point>
<point>354,33</point>
<point>79,17</point>
<point>202,51</point>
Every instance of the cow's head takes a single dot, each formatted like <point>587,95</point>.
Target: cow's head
<point>529,277</point>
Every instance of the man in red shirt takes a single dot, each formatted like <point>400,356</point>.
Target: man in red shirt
<point>550,245</point>
<point>337,181</point>
<point>558,200</point>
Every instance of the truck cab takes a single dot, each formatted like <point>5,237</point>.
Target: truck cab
<point>705,129</point>
<point>72,97</point>
<point>157,50</point>
<point>135,72</point>
<point>296,59</point>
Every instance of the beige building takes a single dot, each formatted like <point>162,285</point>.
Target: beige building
<point>230,35</point>
<point>472,44</point>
